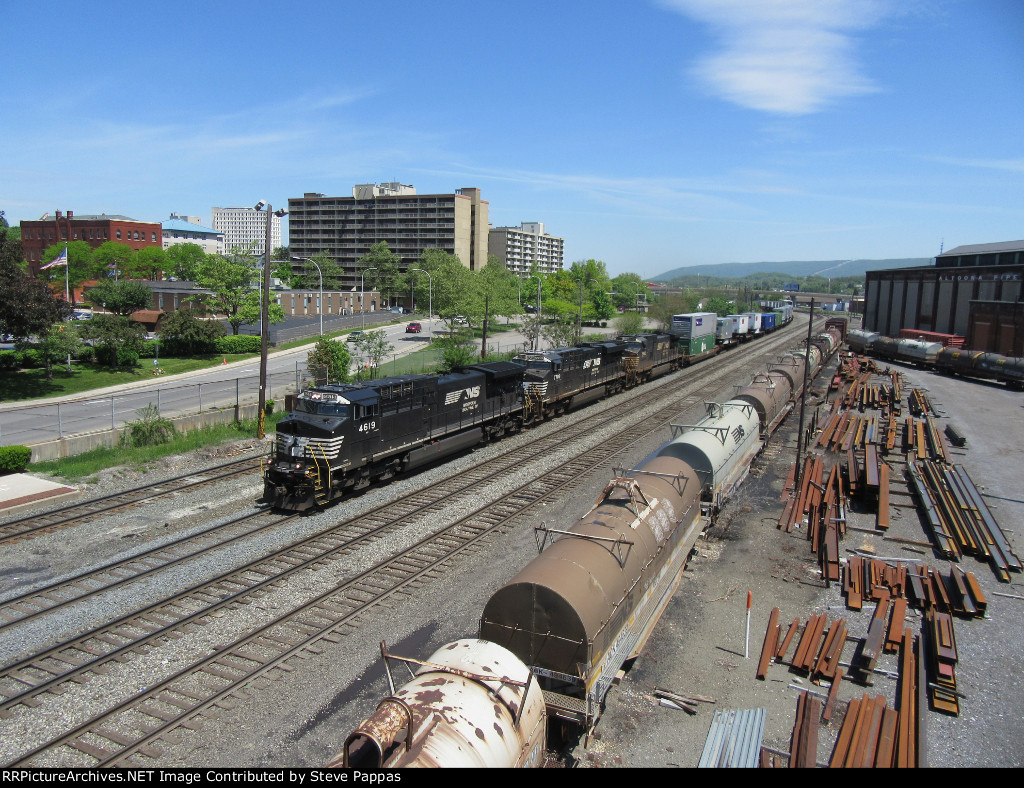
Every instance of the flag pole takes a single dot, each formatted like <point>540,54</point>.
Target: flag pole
<point>67,276</point>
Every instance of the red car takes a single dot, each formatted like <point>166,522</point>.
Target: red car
<point>413,328</point>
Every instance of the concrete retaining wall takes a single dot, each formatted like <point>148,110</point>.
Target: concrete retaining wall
<point>79,444</point>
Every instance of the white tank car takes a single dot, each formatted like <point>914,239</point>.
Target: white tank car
<point>472,704</point>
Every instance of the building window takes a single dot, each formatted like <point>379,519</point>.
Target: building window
<point>119,235</point>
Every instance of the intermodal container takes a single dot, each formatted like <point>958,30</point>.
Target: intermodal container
<point>768,321</point>
<point>697,345</point>
<point>694,324</point>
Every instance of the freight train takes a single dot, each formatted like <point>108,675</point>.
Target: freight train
<point>342,437</point>
<point>932,355</point>
<point>554,637</point>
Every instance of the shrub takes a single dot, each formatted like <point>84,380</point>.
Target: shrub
<point>10,359</point>
<point>117,356</point>
<point>239,344</point>
<point>14,459</point>
<point>32,359</point>
<point>151,429</point>
<point>85,354</point>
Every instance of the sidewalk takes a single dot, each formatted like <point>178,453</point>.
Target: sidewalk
<point>21,489</point>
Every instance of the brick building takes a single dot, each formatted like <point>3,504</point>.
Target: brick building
<point>95,229</point>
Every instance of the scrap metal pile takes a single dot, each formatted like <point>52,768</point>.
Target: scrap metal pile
<point>853,448</point>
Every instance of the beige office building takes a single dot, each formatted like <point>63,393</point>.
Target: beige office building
<point>346,227</point>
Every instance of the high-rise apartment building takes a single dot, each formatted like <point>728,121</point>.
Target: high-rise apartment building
<point>346,227</point>
<point>246,227</point>
<point>520,248</point>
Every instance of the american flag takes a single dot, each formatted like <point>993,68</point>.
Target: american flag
<point>61,259</point>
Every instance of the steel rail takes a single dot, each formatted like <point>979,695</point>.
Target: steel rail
<point>572,472</point>
<point>82,511</point>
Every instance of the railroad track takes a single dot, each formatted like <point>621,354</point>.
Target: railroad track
<point>132,727</point>
<point>44,522</point>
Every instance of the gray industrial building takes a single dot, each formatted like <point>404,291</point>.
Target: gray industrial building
<point>974,291</point>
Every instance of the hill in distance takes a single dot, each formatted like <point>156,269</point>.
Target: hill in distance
<point>828,268</point>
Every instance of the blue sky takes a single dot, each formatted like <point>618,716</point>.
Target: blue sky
<point>649,134</point>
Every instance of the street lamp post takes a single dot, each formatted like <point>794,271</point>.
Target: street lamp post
<point>320,306</point>
<point>362,295</point>
<point>265,318</point>
<point>430,301</point>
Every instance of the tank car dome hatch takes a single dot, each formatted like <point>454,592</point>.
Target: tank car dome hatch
<point>716,445</point>
<point>560,605</point>
<point>434,719</point>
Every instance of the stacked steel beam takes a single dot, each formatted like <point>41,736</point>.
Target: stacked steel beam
<point>960,521</point>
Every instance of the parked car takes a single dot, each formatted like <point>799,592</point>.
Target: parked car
<point>413,328</point>
<point>353,336</point>
<point>460,321</point>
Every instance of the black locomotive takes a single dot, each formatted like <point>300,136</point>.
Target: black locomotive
<point>342,437</point>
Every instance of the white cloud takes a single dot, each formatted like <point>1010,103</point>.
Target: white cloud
<point>789,57</point>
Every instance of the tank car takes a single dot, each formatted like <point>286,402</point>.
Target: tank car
<point>438,717</point>
<point>885,347</point>
<point>771,395</point>
<point>792,366</point>
<point>861,341</point>
<point>917,352</point>
<point>1003,368</point>
<point>344,436</point>
<point>718,448</point>
<point>589,601</point>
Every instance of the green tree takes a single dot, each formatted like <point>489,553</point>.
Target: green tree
<point>59,343</point>
<point>629,323</point>
<point>629,290</point>
<point>453,284</point>
<point>374,347</point>
<point>386,278</point>
<point>147,263</point>
<point>559,331</point>
<point>122,297</point>
<point>457,350</point>
<point>720,306</point>
<point>80,266</point>
<point>230,281</point>
<point>112,258</point>
<point>249,312</point>
<point>28,307</point>
<point>186,333</point>
<point>184,261</point>
<point>116,339</point>
<point>329,362</point>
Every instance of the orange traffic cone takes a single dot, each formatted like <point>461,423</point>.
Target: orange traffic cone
<point>225,360</point>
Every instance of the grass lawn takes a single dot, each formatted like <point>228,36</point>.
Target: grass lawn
<point>82,466</point>
<point>32,383</point>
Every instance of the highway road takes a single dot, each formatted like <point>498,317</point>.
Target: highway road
<point>38,421</point>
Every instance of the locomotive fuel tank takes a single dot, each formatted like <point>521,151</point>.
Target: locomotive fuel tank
<point>437,718</point>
